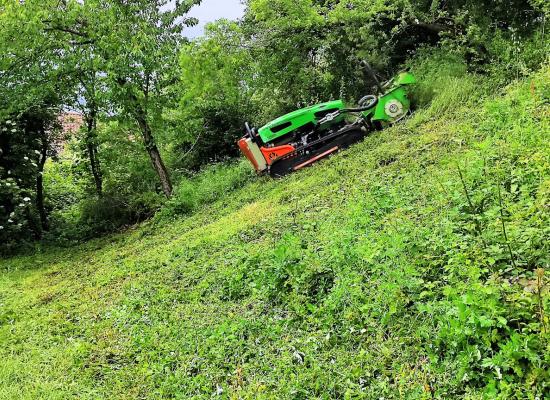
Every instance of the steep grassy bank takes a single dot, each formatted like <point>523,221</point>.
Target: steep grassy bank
<point>410,266</point>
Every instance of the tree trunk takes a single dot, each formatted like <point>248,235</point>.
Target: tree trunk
<point>154,154</point>
<point>153,151</point>
<point>91,146</point>
<point>40,181</point>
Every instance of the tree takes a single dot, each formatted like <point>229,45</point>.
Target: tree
<point>139,43</point>
<point>43,125</point>
<point>25,145</point>
<point>90,100</point>
<point>216,95</point>
<point>31,93</point>
<point>51,56</point>
<point>310,49</point>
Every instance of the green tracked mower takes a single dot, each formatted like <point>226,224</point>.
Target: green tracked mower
<point>300,138</point>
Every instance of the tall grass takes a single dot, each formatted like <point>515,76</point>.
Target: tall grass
<point>210,184</point>
<point>444,84</point>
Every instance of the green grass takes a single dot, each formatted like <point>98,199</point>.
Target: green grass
<point>382,272</point>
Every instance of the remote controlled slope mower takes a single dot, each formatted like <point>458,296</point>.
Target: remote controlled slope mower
<point>300,138</point>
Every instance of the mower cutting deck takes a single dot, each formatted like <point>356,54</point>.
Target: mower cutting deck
<point>300,138</point>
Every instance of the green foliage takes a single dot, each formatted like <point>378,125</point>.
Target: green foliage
<point>311,50</point>
<point>289,54</point>
<point>212,183</point>
<point>131,198</point>
<point>23,145</point>
<point>187,101</point>
<point>16,178</point>
<point>104,58</point>
<point>63,186</point>
<point>130,188</point>
<point>215,95</point>
<point>444,85</point>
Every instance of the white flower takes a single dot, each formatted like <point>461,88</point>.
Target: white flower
<point>21,205</point>
<point>27,199</point>
<point>26,158</point>
<point>12,214</point>
<point>8,184</point>
<point>1,227</point>
<point>10,221</point>
<point>34,164</point>
<point>36,152</point>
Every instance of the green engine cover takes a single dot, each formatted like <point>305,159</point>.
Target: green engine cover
<point>297,119</point>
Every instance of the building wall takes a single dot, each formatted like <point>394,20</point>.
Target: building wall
<point>71,122</point>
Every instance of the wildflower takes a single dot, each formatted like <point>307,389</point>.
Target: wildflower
<point>26,158</point>
<point>27,199</point>
<point>10,221</point>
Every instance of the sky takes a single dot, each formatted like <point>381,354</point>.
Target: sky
<point>211,10</point>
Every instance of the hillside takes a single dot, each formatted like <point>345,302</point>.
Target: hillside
<point>409,266</point>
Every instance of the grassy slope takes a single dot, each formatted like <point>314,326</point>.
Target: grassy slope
<point>376,273</point>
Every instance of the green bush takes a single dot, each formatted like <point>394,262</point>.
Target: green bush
<point>443,81</point>
<point>212,183</point>
<point>92,217</point>
<point>62,186</point>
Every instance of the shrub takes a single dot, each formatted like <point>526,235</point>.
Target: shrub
<point>211,183</point>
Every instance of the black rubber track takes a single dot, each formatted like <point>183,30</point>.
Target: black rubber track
<point>286,165</point>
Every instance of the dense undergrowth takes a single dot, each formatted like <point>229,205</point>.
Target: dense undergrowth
<point>411,266</point>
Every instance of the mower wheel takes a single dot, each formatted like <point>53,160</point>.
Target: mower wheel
<point>368,101</point>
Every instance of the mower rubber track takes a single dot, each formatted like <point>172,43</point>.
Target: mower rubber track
<point>320,148</point>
